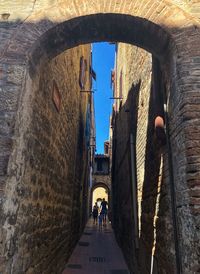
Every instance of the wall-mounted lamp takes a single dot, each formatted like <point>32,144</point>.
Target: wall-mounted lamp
<point>159,126</point>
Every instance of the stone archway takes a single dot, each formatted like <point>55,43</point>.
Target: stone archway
<point>101,27</point>
<point>45,31</point>
<point>97,185</point>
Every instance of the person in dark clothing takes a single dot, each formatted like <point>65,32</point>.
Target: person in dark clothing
<point>104,210</point>
<point>95,213</point>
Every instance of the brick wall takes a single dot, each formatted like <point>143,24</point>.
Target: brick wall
<point>135,114</point>
<point>167,205</point>
<point>104,179</point>
<point>46,198</point>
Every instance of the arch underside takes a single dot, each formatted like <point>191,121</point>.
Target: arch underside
<point>100,184</point>
<point>97,28</point>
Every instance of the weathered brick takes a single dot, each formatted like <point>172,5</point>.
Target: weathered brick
<point>23,30</point>
<point>46,183</point>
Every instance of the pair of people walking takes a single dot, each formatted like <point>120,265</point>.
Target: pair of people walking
<point>102,215</point>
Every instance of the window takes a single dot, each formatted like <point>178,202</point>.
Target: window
<point>99,165</point>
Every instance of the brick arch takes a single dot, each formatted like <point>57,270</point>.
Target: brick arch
<point>38,18</point>
<point>96,185</point>
<point>35,21</point>
<point>100,184</point>
<point>97,28</point>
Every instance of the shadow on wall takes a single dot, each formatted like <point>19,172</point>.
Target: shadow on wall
<point>156,221</point>
<point>153,194</point>
<point>49,186</point>
<point>124,122</point>
<point>155,217</point>
<point>149,194</point>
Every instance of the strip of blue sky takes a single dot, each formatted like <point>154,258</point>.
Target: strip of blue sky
<point>103,61</point>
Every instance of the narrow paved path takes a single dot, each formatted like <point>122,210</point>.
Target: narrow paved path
<point>97,252</point>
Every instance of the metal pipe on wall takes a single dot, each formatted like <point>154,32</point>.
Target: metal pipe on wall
<point>134,190</point>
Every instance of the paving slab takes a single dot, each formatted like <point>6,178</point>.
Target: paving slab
<point>97,252</point>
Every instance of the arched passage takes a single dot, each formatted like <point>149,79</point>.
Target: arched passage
<point>132,25</point>
<point>105,192</point>
<point>99,194</point>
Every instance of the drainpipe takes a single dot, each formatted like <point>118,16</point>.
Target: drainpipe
<point>134,190</point>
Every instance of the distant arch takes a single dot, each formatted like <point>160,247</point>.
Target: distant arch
<point>97,185</point>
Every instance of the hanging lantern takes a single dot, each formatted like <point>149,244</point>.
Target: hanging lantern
<point>159,122</point>
<point>160,130</point>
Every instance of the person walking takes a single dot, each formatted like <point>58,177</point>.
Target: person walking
<point>95,213</point>
<point>104,210</point>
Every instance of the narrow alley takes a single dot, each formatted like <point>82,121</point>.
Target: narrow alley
<point>60,164</point>
<point>96,252</point>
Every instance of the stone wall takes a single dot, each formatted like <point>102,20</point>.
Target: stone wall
<point>46,198</point>
<point>104,179</point>
<point>167,197</point>
<point>135,114</point>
